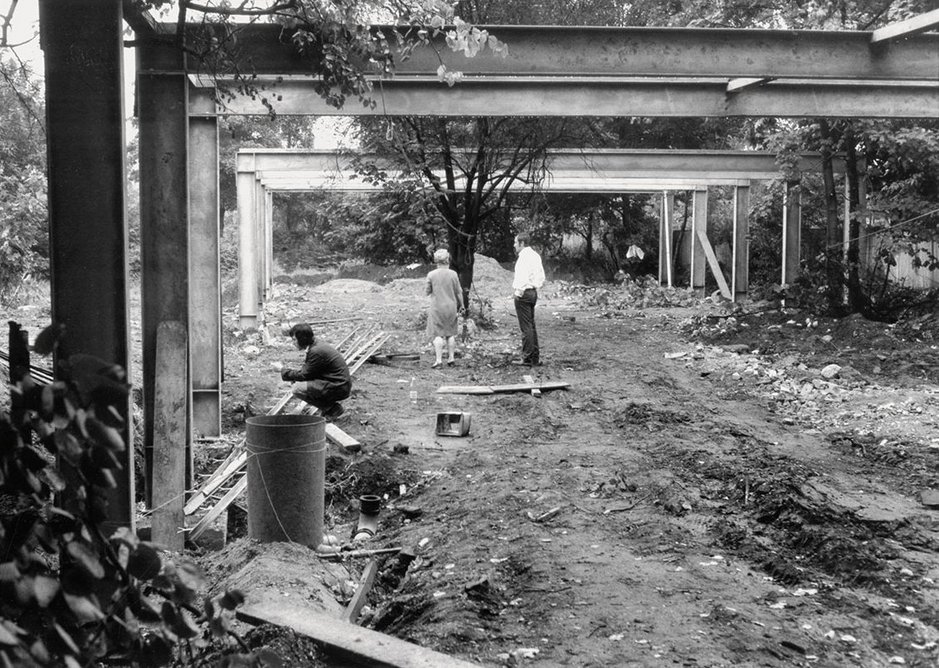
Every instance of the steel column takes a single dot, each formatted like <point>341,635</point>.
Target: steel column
<point>740,279</point>
<point>699,219</point>
<point>205,312</point>
<point>248,235</point>
<point>86,173</point>
<point>164,210</point>
<point>792,233</point>
<point>665,239</point>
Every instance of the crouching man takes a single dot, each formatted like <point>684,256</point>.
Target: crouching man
<point>324,378</point>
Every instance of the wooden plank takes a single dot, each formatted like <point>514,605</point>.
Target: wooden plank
<point>493,389</point>
<point>351,613</point>
<point>341,438</point>
<point>370,352</point>
<point>907,28</point>
<point>535,392</point>
<point>465,389</point>
<point>354,645</point>
<point>236,460</point>
<point>169,436</point>
<point>713,263</point>
<point>527,387</point>
<point>206,521</point>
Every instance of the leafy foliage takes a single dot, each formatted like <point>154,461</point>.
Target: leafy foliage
<point>23,238</point>
<point>69,594</point>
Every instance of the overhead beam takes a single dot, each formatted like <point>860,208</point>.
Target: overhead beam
<point>573,96</point>
<point>655,164</point>
<point>613,51</point>
<point>906,29</point>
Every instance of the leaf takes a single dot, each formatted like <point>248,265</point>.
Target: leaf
<point>126,536</point>
<point>7,637</point>
<point>68,446</point>
<point>231,599</point>
<point>47,340</point>
<point>178,621</point>
<point>190,575</point>
<point>9,571</point>
<point>156,651</point>
<point>44,590</point>
<point>145,562</point>
<point>84,608</point>
<point>65,638</point>
<point>86,558</point>
<point>268,658</point>
<point>104,435</point>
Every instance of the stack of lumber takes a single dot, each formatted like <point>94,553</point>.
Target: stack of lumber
<point>220,489</point>
<point>39,374</point>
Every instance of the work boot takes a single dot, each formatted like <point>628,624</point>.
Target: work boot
<point>333,412</point>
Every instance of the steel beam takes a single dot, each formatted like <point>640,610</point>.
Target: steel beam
<point>699,225</point>
<point>205,310</point>
<point>248,250</point>
<point>86,173</point>
<point>665,239</point>
<point>792,233</point>
<point>639,51</point>
<point>664,164</point>
<point>577,96</point>
<point>740,271</point>
<point>164,211</point>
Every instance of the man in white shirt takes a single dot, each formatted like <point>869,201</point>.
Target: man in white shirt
<point>529,276</point>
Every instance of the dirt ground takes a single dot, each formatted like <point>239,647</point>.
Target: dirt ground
<point>717,487</point>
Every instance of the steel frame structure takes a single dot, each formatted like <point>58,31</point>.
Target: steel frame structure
<point>550,70</point>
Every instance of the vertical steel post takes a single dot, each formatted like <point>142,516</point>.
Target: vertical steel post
<point>699,219</point>
<point>205,337</point>
<point>792,233</point>
<point>162,88</point>
<point>740,280</point>
<point>82,41</point>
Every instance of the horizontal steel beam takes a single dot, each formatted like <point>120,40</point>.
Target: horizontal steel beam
<point>555,185</point>
<point>907,28</point>
<point>612,51</point>
<point>602,97</point>
<point>588,163</point>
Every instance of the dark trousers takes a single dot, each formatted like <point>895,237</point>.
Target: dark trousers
<point>325,398</point>
<point>525,310</point>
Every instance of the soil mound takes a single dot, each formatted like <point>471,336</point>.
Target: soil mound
<point>346,285</point>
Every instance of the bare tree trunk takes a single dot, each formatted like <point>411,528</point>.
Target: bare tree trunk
<point>832,253</point>
<point>857,300</point>
<point>588,237</point>
<point>462,246</point>
<point>676,252</point>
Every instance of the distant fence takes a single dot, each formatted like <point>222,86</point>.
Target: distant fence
<point>904,272</point>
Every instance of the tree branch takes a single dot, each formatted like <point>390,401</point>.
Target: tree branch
<point>238,11</point>
<point>7,20</point>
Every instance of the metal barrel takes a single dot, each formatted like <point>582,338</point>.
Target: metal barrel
<point>286,476</point>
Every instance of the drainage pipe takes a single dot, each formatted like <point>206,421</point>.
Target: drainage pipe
<point>286,477</point>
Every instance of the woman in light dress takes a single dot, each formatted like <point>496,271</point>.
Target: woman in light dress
<point>446,302</point>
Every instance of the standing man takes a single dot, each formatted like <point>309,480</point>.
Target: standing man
<point>529,276</point>
<point>324,375</point>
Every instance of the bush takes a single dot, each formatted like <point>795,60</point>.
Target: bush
<point>70,594</point>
